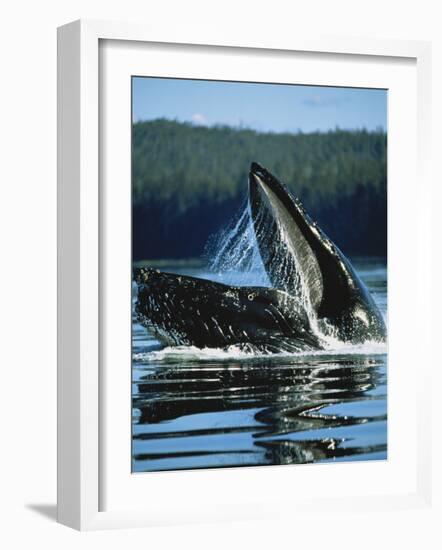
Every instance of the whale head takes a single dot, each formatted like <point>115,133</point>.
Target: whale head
<point>185,310</point>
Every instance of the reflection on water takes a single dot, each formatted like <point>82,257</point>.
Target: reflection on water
<point>199,409</point>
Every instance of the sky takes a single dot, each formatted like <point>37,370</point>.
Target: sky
<point>262,107</point>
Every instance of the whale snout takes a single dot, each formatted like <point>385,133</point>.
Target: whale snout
<point>158,305</point>
<point>138,274</point>
<point>152,281</point>
<point>258,171</point>
<point>258,182</point>
<point>148,276</point>
<point>268,196</point>
<point>153,287</point>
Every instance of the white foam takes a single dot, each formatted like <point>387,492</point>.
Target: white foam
<point>192,353</point>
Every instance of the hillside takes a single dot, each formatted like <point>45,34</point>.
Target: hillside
<point>189,180</point>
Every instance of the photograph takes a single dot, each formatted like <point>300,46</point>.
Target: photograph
<point>259,274</point>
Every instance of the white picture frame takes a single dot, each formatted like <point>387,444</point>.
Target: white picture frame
<point>82,409</point>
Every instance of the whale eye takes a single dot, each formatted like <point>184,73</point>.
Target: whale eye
<point>251,296</point>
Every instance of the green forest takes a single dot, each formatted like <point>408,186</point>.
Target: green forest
<point>189,181</point>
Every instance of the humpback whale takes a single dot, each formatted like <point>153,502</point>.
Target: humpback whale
<point>315,293</point>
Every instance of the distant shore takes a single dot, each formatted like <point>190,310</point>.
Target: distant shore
<point>183,262</point>
<point>201,262</point>
<point>191,182</point>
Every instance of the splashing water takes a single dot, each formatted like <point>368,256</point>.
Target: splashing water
<point>235,249</point>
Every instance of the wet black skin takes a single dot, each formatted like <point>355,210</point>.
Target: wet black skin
<point>182,310</point>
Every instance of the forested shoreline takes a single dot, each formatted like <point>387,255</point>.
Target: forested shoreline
<point>189,181</point>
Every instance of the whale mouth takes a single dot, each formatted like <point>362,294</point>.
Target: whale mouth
<point>297,254</point>
<point>285,237</point>
<point>281,231</point>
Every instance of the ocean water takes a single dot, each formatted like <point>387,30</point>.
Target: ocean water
<point>211,408</point>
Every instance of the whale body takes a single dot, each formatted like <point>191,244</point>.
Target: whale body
<point>315,291</point>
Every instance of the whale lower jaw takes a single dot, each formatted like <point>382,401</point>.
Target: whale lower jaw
<point>299,257</point>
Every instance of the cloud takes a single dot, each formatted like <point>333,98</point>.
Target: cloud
<point>318,100</point>
<point>198,118</point>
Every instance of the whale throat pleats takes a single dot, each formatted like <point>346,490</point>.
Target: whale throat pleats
<point>289,259</point>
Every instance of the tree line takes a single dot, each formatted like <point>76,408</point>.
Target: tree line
<point>188,181</point>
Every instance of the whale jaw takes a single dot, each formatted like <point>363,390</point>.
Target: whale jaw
<point>301,259</point>
<point>288,257</point>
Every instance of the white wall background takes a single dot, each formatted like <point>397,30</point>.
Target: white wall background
<point>28,262</point>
